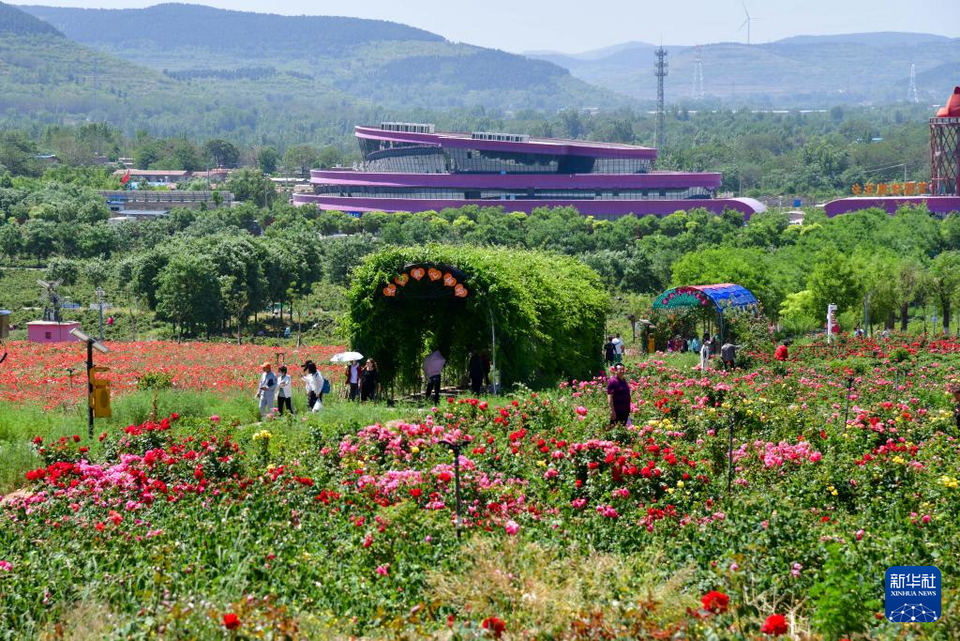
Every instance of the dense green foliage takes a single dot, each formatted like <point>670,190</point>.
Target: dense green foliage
<point>545,311</point>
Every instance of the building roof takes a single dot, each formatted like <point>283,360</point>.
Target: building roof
<point>720,297</point>
<point>171,173</point>
<point>553,146</point>
<point>952,108</point>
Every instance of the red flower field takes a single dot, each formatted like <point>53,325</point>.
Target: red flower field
<point>35,372</point>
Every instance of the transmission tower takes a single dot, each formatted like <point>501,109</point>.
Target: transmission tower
<point>698,92</point>
<point>661,73</point>
<point>912,91</point>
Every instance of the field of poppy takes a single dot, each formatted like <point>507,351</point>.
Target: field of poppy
<point>744,504</point>
<point>54,374</point>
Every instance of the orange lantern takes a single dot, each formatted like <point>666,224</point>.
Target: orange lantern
<point>417,272</point>
<point>449,280</point>
<point>460,291</point>
<point>401,280</point>
<point>434,273</point>
<point>390,290</point>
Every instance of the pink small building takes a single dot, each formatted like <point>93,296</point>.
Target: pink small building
<point>51,332</point>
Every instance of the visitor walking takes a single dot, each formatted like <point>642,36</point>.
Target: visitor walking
<point>432,369</point>
<point>284,391</point>
<point>266,389</point>
<point>705,349</point>
<point>609,351</point>
<point>618,348</point>
<point>728,354</point>
<point>369,381</point>
<point>782,352</point>
<point>475,370</point>
<point>315,383</point>
<point>618,396</point>
<point>695,345</point>
<point>352,378</point>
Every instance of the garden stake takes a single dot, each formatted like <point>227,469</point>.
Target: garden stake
<point>846,409</point>
<point>456,477</point>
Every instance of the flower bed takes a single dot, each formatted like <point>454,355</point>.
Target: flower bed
<point>38,373</point>
<point>841,468</point>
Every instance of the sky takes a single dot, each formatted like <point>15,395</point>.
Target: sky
<point>573,26</point>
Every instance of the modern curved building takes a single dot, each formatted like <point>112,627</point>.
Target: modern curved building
<point>410,167</point>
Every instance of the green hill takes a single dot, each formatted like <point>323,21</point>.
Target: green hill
<point>386,63</point>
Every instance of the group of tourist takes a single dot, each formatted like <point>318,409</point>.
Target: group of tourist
<point>363,383</point>
<point>613,350</point>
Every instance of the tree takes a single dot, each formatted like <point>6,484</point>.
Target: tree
<point>834,280</point>
<point>39,238</point>
<point>189,294</point>
<point>11,239</point>
<point>301,158</point>
<point>250,185</point>
<point>749,268</point>
<point>222,152</point>
<point>944,282</point>
<point>267,160</point>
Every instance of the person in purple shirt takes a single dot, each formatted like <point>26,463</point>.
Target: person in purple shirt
<point>618,394</point>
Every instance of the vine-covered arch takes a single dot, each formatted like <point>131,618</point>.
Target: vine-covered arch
<point>540,316</point>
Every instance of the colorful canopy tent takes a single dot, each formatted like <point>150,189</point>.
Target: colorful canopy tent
<point>712,298</point>
<point>721,297</point>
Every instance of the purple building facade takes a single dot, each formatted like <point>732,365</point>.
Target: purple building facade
<point>410,167</point>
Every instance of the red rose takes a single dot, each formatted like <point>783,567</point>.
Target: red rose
<point>231,621</point>
<point>494,625</point>
<point>76,439</point>
<point>37,440</point>
<point>715,602</point>
<point>775,625</point>
<point>444,477</point>
<point>416,492</point>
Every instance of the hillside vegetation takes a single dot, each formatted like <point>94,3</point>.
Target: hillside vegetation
<point>389,63</point>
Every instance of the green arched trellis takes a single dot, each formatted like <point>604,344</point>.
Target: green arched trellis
<point>546,311</point>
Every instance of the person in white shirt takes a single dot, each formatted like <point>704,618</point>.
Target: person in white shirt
<point>705,351</point>
<point>617,349</point>
<point>352,374</point>
<point>314,383</point>
<point>284,391</point>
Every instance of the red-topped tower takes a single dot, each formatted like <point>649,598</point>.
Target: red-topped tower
<point>945,148</point>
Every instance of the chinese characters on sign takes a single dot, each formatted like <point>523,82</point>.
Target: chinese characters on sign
<point>912,594</point>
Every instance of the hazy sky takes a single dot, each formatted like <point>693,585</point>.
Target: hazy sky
<point>578,25</point>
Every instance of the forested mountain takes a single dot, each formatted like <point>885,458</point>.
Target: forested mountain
<point>16,22</point>
<point>383,62</point>
<point>801,71</point>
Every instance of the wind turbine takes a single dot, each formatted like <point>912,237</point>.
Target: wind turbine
<point>746,23</point>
